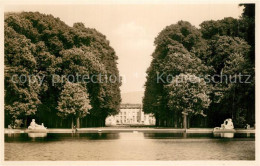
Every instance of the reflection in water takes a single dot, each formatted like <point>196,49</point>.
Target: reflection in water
<point>184,135</point>
<point>37,135</point>
<point>129,146</point>
<point>224,135</point>
<point>163,135</point>
<point>131,136</point>
<point>27,137</point>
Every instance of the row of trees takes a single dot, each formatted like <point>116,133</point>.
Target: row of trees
<point>184,79</point>
<point>43,46</point>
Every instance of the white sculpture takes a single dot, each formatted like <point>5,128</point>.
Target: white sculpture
<point>228,124</point>
<point>34,125</point>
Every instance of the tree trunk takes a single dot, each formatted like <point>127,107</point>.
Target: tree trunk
<point>175,120</point>
<point>188,122</point>
<point>72,123</point>
<point>156,120</point>
<point>25,122</point>
<point>184,121</point>
<point>78,124</point>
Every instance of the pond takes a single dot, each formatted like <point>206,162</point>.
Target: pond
<point>129,146</point>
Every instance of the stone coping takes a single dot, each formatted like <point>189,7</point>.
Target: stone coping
<point>133,129</point>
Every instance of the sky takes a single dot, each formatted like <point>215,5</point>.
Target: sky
<point>131,29</point>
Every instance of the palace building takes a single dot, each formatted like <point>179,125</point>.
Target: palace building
<point>131,114</point>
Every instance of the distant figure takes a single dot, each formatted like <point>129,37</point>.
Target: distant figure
<point>247,126</point>
<point>74,130</point>
<point>10,127</point>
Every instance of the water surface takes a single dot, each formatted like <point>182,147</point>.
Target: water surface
<point>129,146</point>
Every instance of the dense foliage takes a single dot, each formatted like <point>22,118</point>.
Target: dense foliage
<point>222,47</point>
<point>188,95</point>
<point>43,46</point>
<point>73,102</point>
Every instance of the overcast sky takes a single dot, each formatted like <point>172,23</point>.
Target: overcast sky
<point>131,29</point>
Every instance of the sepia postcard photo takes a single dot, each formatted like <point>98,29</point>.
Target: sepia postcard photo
<point>129,82</point>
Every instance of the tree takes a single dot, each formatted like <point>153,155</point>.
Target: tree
<point>43,45</point>
<point>23,106</point>
<point>73,102</point>
<point>182,32</point>
<point>222,47</point>
<point>244,28</point>
<point>238,91</point>
<point>21,94</point>
<point>172,56</point>
<point>248,23</point>
<point>188,94</point>
<point>219,47</point>
<point>226,27</point>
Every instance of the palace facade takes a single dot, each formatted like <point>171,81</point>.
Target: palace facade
<point>131,114</point>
